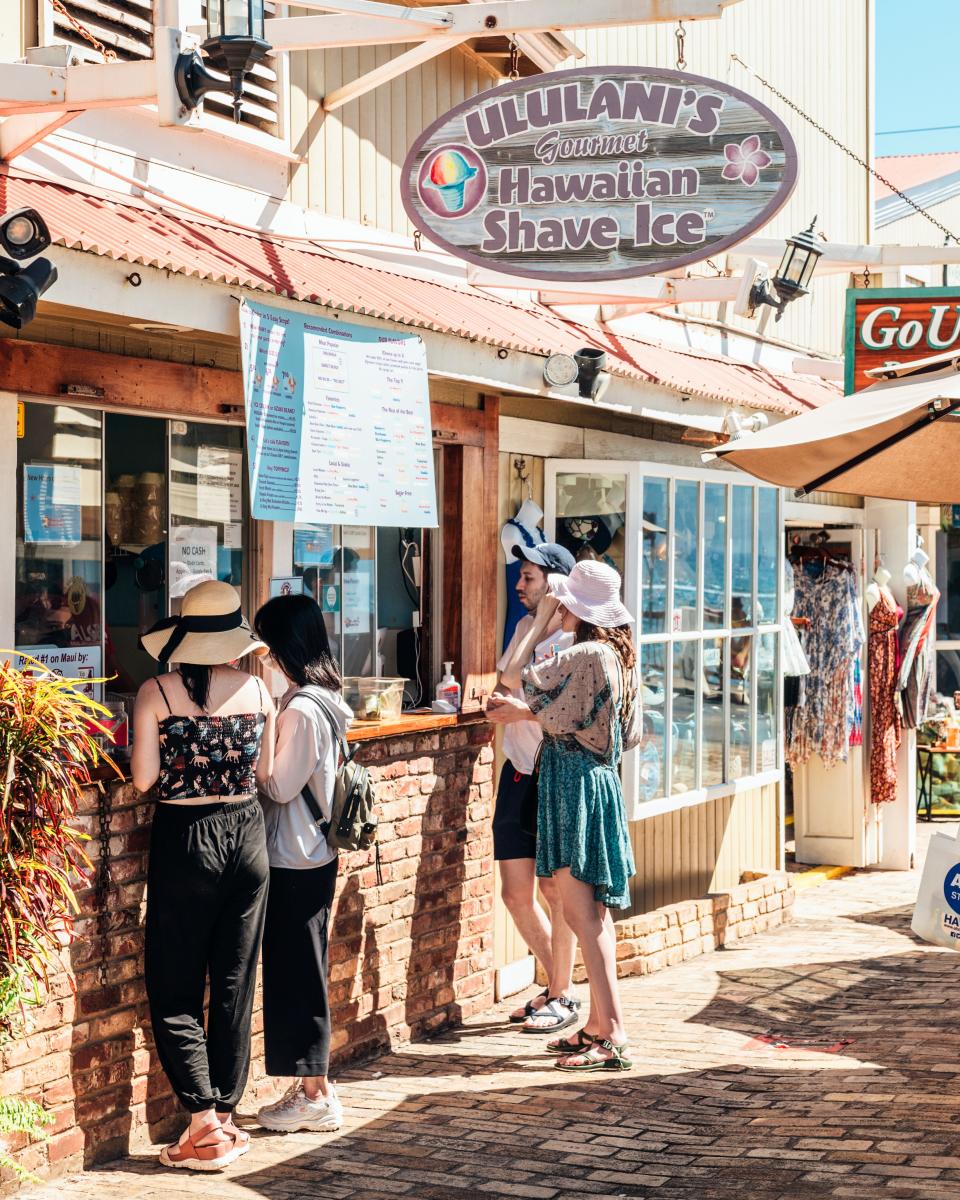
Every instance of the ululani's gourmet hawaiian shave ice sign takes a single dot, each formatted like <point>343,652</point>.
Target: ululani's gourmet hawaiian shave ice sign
<point>599,174</point>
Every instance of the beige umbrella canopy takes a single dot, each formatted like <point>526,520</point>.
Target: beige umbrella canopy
<point>897,440</point>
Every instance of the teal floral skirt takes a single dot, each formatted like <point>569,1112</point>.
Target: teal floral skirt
<point>581,823</point>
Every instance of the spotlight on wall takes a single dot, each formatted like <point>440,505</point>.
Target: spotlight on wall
<point>23,234</point>
<point>592,381</point>
<point>735,425</point>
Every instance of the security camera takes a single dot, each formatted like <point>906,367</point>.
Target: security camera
<point>591,381</point>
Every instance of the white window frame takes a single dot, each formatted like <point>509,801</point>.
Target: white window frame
<point>634,473</point>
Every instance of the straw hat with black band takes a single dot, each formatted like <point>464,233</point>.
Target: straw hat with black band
<point>210,630</point>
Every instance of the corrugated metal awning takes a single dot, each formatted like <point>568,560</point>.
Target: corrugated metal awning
<point>136,231</point>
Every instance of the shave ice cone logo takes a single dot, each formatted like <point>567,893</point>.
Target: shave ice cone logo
<point>453,181</point>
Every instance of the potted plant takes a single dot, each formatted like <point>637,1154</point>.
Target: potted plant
<point>49,749</point>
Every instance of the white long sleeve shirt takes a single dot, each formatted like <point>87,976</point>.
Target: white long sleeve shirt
<point>307,754</point>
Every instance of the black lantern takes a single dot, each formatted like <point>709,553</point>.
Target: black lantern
<point>794,273</point>
<point>235,43</point>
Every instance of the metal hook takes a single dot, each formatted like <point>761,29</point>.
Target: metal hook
<point>520,466</point>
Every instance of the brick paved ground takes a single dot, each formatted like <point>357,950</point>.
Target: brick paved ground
<point>863,1102</point>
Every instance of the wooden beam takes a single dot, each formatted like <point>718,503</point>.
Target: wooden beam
<point>18,134</point>
<point>483,19</point>
<point>31,88</point>
<point>481,63</point>
<point>390,70</point>
<point>372,8</point>
<point>453,425</point>
<point>144,384</point>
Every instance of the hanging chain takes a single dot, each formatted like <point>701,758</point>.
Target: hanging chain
<point>417,235</point>
<point>101,885</point>
<point>846,150</point>
<point>514,60</point>
<point>681,35</point>
<point>108,54</point>
<point>866,275</point>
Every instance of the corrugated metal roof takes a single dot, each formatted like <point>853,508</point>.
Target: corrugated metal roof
<point>907,170</point>
<point>137,232</point>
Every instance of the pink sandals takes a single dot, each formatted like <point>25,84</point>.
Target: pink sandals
<point>197,1153</point>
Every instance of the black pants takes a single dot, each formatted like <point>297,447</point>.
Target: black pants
<point>296,1012</point>
<point>206,898</point>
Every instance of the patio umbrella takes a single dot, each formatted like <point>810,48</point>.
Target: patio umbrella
<point>898,440</point>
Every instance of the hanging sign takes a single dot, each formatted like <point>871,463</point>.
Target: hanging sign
<point>599,173</point>
<point>338,421</point>
<point>897,325</point>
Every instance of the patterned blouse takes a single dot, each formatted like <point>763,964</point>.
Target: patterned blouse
<point>573,699</point>
<point>208,756</point>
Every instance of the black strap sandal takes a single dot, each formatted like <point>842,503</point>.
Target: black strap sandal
<point>581,1040</point>
<point>560,1010</point>
<point>529,1009</point>
<point>593,1062</point>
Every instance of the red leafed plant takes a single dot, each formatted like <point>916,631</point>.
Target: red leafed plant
<point>48,747</point>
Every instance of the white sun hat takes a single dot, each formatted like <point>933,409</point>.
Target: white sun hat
<point>591,592</point>
<point>210,631</point>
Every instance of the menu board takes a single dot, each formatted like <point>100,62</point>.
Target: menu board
<point>338,421</point>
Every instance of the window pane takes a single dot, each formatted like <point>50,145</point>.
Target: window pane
<point>948,581</point>
<point>684,748</point>
<point>653,599</point>
<point>767,725</point>
<point>686,541</point>
<point>742,557</point>
<point>652,750</point>
<point>206,507</point>
<point>741,706</point>
<point>714,723</point>
<point>317,557</point>
<point>768,555</point>
<point>714,555</point>
<point>591,514</point>
<point>359,600</point>
<point>58,602</point>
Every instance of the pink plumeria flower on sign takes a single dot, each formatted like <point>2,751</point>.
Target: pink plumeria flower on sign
<point>745,161</point>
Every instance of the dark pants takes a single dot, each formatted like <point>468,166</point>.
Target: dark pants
<point>296,1012</point>
<point>510,838</point>
<point>206,899</point>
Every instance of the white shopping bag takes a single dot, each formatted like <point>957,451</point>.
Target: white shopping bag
<point>936,914</point>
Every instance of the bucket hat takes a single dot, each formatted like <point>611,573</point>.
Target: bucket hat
<point>591,592</point>
<point>210,630</point>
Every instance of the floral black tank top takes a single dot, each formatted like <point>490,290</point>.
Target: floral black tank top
<point>208,756</point>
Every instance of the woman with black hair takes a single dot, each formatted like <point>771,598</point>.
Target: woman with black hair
<point>204,737</point>
<point>297,800</point>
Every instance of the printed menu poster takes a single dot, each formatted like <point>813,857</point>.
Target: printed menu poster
<point>338,421</point>
<point>220,484</point>
<point>52,503</point>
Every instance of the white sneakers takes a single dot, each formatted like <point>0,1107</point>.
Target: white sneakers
<point>296,1111</point>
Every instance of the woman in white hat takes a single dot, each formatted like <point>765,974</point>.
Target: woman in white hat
<point>585,699</point>
<point>203,740</point>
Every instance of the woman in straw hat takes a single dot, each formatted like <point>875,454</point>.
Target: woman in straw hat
<point>585,700</point>
<point>204,737</point>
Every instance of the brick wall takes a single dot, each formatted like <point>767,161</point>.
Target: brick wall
<point>406,957</point>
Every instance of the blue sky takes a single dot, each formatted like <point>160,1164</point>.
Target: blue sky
<point>917,45</point>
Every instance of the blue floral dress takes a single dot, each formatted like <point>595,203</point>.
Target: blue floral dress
<point>581,822</point>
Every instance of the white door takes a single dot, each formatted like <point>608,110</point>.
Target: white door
<point>834,821</point>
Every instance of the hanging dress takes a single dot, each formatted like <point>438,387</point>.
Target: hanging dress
<point>826,594</point>
<point>917,653</point>
<point>581,821</point>
<point>885,721</point>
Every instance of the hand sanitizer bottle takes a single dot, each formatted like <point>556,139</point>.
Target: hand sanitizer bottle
<point>448,689</point>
